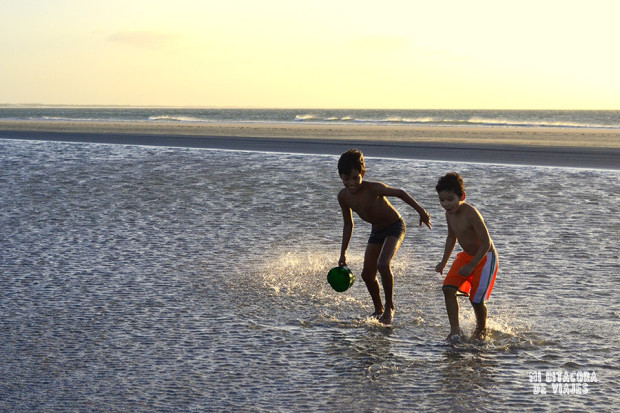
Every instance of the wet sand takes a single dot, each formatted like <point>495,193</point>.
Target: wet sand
<point>571,147</point>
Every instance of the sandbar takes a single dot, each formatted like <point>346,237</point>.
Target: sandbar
<point>567,147</point>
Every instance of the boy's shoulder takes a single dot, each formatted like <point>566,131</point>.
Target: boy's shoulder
<point>469,207</point>
<point>344,195</point>
<point>374,185</point>
<point>471,212</point>
<point>465,212</point>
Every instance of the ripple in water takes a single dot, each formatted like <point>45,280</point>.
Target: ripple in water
<point>158,279</point>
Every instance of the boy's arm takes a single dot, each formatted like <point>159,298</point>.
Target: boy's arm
<point>425,217</point>
<point>485,241</point>
<point>347,231</point>
<point>450,243</point>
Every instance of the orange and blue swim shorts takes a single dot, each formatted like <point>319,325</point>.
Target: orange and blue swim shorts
<point>477,285</point>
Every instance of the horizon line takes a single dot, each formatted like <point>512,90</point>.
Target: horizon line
<point>130,106</point>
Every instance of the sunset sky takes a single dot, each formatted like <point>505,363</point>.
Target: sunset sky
<point>409,54</point>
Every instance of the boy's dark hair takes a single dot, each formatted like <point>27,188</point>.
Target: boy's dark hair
<point>451,182</point>
<point>351,159</point>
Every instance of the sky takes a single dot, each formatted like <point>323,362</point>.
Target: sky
<point>475,54</point>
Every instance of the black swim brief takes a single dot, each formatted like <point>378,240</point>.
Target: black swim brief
<point>397,229</point>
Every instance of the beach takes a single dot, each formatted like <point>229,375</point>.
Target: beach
<point>548,146</point>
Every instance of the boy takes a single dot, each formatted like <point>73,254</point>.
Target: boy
<point>368,200</point>
<point>474,269</point>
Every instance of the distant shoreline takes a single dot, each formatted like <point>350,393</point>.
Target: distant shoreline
<point>567,147</point>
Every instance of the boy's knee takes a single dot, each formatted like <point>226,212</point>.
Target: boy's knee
<point>368,276</point>
<point>383,267</point>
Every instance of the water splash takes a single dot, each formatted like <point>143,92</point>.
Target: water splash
<point>303,274</point>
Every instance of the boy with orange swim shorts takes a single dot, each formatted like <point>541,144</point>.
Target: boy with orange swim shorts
<point>474,270</point>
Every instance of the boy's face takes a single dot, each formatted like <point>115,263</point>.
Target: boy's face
<point>450,201</point>
<point>352,181</point>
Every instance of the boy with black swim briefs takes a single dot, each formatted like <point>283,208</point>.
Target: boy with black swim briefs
<point>474,270</point>
<point>368,200</point>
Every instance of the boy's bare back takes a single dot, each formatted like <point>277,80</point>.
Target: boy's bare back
<point>370,203</point>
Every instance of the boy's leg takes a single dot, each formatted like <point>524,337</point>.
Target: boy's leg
<point>481,289</point>
<point>481,321</point>
<point>390,247</point>
<point>452,307</point>
<point>369,275</point>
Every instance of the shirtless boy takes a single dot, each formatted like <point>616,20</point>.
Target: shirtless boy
<point>474,269</point>
<point>368,200</point>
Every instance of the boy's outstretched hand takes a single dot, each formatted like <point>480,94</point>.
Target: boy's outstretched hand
<point>425,218</point>
<point>440,267</point>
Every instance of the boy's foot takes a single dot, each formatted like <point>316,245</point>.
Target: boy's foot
<point>377,314</point>
<point>479,334</point>
<point>455,337</point>
<point>387,317</point>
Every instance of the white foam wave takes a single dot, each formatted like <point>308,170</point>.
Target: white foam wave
<point>447,121</point>
<point>175,118</point>
<point>64,119</point>
<point>530,123</point>
<point>305,117</point>
<point>401,119</point>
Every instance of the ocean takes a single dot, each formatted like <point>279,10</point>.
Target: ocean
<point>609,119</point>
<point>153,279</point>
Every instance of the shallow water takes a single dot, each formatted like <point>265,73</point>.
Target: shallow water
<point>156,279</point>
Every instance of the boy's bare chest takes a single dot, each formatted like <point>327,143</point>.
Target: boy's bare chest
<point>365,203</point>
<point>459,226</point>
